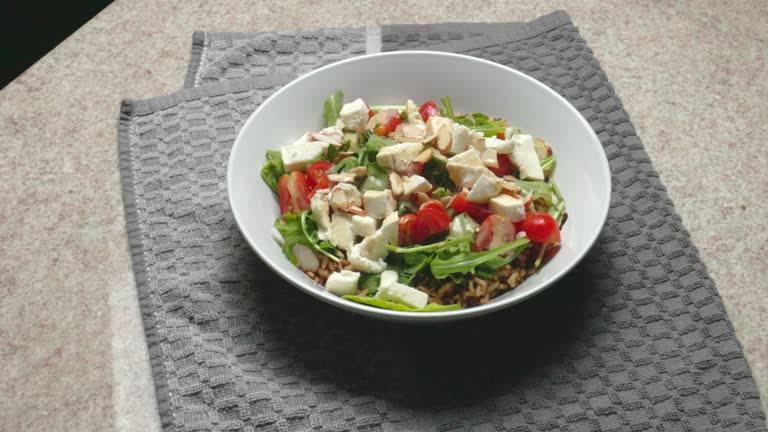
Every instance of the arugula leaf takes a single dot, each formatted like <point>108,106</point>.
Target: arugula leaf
<point>409,265</point>
<point>434,247</point>
<point>447,110</point>
<point>540,190</point>
<point>333,107</point>
<point>467,262</point>
<point>383,304</point>
<point>289,227</point>
<point>344,165</point>
<point>462,226</point>
<point>440,193</point>
<point>436,172</point>
<point>547,165</point>
<point>372,183</point>
<point>273,169</point>
<point>309,229</point>
<point>370,282</point>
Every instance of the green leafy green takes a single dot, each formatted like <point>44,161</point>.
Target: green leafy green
<point>344,165</point>
<point>383,304</point>
<point>333,106</point>
<point>434,247</point>
<point>447,110</point>
<point>440,193</point>
<point>467,262</point>
<point>289,228</point>
<point>273,169</point>
<point>372,183</point>
<point>405,207</point>
<point>436,172</point>
<point>462,226</point>
<point>309,229</point>
<point>540,190</point>
<point>370,283</point>
<point>548,165</point>
<point>409,265</point>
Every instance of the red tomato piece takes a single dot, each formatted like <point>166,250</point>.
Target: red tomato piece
<point>317,173</point>
<point>540,227</point>
<point>501,136</point>
<point>384,122</point>
<point>477,211</point>
<point>405,228</point>
<point>428,223</point>
<point>494,232</point>
<point>428,109</point>
<point>293,193</point>
<point>505,166</point>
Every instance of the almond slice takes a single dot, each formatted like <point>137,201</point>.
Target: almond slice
<point>345,177</point>
<point>420,198</point>
<point>396,184</point>
<point>490,158</point>
<point>444,138</point>
<point>424,156</point>
<point>355,210</point>
<point>360,171</point>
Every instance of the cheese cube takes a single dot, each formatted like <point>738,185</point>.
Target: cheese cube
<point>525,157</point>
<point>342,283</point>
<point>362,263</point>
<point>354,114</point>
<point>469,157</point>
<point>403,294</point>
<point>344,195</point>
<point>379,204</point>
<point>501,146</point>
<point>511,207</point>
<point>388,232</point>
<point>465,176</point>
<point>296,156</point>
<point>399,157</point>
<point>363,225</point>
<point>320,213</point>
<point>485,188</point>
<point>416,183</point>
<point>463,138</point>
<point>341,231</point>
<point>388,277</point>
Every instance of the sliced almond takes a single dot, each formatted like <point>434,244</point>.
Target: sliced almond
<point>420,198</point>
<point>444,138</point>
<point>445,200</point>
<point>360,171</point>
<point>345,177</point>
<point>396,184</point>
<point>511,187</point>
<point>510,178</point>
<point>424,156</point>
<point>490,158</point>
<point>355,210</point>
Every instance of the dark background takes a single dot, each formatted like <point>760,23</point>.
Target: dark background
<point>32,28</point>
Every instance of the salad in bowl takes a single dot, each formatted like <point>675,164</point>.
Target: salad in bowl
<point>415,207</point>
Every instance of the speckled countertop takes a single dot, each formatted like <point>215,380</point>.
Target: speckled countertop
<point>692,74</point>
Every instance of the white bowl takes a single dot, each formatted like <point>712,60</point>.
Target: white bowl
<point>390,78</point>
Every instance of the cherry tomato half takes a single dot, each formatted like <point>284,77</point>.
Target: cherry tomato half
<point>476,211</point>
<point>317,173</point>
<point>505,166</point>
<point>404,228</point>
<point>428,109</point>
<point>293,193</point>
<point>384,122</point>
<point>540,227</point>
<point>494,232</point>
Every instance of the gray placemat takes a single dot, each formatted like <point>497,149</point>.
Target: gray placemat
<point>636,338</point>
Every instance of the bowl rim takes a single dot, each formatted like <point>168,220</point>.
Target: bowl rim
<point>423,317</point>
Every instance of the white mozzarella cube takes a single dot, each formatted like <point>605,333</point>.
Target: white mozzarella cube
<point>525,157</point>
<point>485,188</point>
<point>511,207</point>
<point>344,196</point>
<point>354,114</point>
<point>296,156</point>
<point>416,183</point>
<point>363,225</point>
<point>342,283</point>
<point>388,232</point>
<point>463,138</point>
<point>379,204</point>
<point>321,213</point>
<point>403,294</point>
<point>465,168</point>
<point>364,264</point>
<point>388,277</point>
<point>399,157</point>
<point>341,231</point>
<point>501,146</point>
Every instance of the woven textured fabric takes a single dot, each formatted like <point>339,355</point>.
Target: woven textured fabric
<point>219,57</point>
<point>635,338</point>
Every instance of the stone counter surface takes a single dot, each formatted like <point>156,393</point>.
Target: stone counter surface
<point>693,75</point>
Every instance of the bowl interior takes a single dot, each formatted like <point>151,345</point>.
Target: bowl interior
<point>474,85</point>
